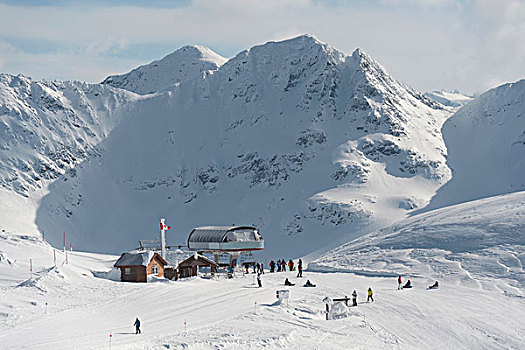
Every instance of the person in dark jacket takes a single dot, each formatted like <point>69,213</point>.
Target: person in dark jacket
<point>434,286</point>
<point>300,268</point>
<point>407,285</point>
<point>308,284</point>
<point>137,326</point>
<point>354,298</point>
<point>259,280</point>
<point>288,283</point>
<point>283,265</point>
<point>272,266</point>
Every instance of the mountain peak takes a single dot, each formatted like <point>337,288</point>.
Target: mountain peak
<point>185,64</point>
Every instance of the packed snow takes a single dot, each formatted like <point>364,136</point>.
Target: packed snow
<point>67,307</point>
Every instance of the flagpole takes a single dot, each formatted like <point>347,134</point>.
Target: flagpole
<point>162,239</point>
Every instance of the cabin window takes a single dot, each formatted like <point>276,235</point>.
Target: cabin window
<point>127,271</point>
<point>155,270</point>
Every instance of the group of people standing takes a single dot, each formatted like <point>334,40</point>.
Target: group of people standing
<point>370,297</point>
<point>282,265</point>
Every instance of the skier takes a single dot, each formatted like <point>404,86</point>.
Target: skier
<point>278,265</point>
<point>370,295</point>
<point>288,283</point>
<point>262,268</point>
<point>254,268</point>
<point>308,284</point>
<point>407,285</point>
<point>354,298</point>
<point>300,268</point>
<point>259,280</point>
<point>137,326</point>
<point>399,283</point>
<point>258,268</point>
<point>290,265</point>
<point>434,286</point>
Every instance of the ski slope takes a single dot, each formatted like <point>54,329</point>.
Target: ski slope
<point>84,310</point>
<point>479,243</point>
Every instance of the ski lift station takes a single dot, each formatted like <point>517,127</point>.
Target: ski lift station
<point>232,240</point>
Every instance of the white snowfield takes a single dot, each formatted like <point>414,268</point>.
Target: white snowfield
<point>474,250</point>
<point>479,243</point>
<point>451,99</point>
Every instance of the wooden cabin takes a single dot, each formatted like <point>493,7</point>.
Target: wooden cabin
<point>190,266</point>
<point>136,266</point>
<point>171,273</point>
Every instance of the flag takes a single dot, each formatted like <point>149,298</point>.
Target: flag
<point>164,227</point>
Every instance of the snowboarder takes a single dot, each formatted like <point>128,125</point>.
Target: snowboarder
<point>407,285</point>
<point>290,265</point>
<point>308,284</point>
<point>259,280</point>
<point>288,283</point>
<point>434,286</point>
<point>399,283</point>
<point>370,295</point>
<point>300,268</point>
<point>137,326</point>
<point>354,298</point>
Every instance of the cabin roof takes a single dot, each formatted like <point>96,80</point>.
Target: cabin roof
<point>197,256</point>
<point>137,258</point>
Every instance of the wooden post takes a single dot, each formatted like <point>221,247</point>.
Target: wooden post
<point>327,311</point>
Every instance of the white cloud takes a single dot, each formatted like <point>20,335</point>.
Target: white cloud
<point>471,45</point>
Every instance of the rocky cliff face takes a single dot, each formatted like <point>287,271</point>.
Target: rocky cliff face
<point>47,128</point>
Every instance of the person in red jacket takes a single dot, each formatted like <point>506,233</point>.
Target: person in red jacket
<point>399,283</point>
<point>290,265</point>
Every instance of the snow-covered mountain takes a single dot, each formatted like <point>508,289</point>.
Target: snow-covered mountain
<point>447,98</point>
<point>486,147</point>
<point>479,243</point>
<point>308,143</point>
<point>46,129</point>
<point>185,64</point>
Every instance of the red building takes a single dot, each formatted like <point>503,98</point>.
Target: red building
<point>136,266</point>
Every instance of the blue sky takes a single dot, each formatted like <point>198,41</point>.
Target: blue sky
<point>470,45</point>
